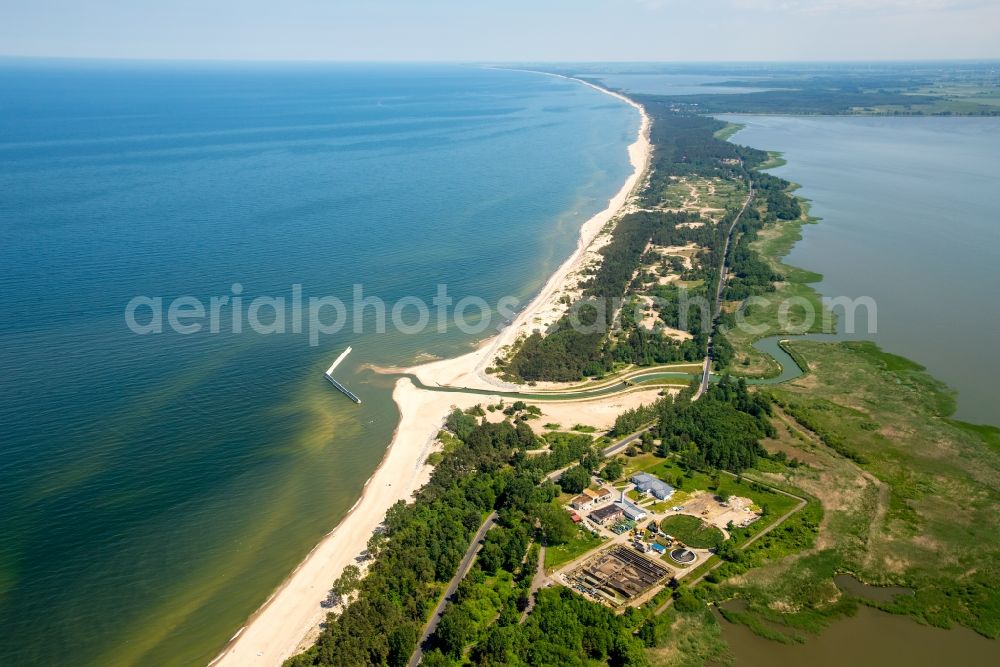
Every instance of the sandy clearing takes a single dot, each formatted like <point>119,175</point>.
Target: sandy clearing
<point>676,334</point>
<point>600,414</point>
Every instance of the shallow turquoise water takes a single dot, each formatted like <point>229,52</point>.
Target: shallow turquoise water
<point>910,218</point>
<point>156,488</point>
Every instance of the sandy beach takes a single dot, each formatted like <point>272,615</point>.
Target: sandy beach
<point>290,619</point>
<point>469,370</point>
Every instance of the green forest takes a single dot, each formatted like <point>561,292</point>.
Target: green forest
<point>486,469</point>
<point>580,345</point>
<point>721,430</point>
<point>420,545</point>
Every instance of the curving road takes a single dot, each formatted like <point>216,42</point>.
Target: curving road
<point>634,377</point>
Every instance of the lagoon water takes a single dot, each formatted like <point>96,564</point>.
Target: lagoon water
<point>155,488</point>
<point>910,217</point>
<point>870,638</point>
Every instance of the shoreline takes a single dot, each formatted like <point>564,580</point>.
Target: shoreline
<point>468,370</point>
<point>289,620</point>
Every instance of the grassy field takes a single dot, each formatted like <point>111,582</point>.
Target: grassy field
<point>558,556</point>
<point>729,130</point>
<point>764,316</point>
<point>774,159</point>
<point>898,494</point>
<point>690,640</point>
<point>692,531</point>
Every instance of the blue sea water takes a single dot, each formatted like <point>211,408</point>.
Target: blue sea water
<point>155,488</point>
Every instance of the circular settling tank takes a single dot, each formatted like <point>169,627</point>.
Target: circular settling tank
<point>683,556</point>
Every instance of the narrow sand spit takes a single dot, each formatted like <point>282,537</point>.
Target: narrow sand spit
<point>290,619</point>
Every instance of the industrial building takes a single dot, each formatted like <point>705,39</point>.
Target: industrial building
<point>605,514</point>
<point>630,509</point>
<point>657,488</point>
<point>601,495</point>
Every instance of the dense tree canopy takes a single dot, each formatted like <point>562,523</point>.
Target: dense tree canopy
<point>420,545</point>
<point>721,430</point>
<point>575,480</point>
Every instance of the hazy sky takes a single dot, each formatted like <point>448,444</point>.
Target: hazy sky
<point>503,30</point>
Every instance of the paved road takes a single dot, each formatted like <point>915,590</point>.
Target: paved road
<point>706,370</point>
<point>612,449</point>
<point>463,569</point>
<point>619,445</point>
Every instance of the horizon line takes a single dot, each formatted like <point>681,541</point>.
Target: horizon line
<point>457,61</point>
